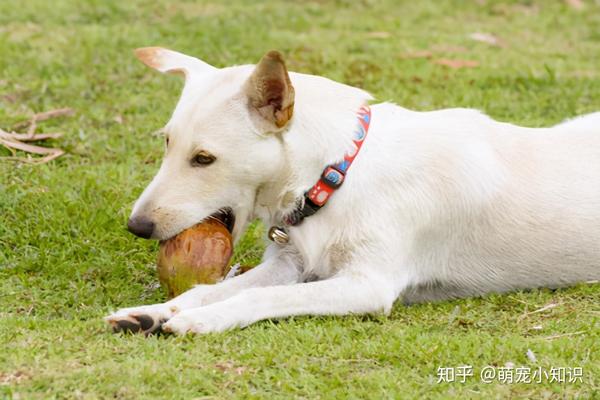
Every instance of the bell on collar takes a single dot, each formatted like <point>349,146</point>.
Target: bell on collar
<point>278,235</point>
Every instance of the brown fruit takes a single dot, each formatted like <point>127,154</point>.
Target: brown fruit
<point>197,255</point>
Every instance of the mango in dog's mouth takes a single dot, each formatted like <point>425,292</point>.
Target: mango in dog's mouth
<point>198,255</point>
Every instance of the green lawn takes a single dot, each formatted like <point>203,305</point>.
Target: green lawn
<point>66,258</point>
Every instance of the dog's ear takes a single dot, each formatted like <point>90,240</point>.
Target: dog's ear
<point>169,61</point>
<point>270,90</point>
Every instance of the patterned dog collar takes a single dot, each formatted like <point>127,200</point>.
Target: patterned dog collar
<point>331,179</point>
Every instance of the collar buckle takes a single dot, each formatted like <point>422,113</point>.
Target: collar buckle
<point>278,235</point>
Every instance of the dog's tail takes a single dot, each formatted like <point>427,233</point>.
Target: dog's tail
<point>583,123</point>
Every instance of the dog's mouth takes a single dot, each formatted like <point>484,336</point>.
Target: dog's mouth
<point>225,216</point>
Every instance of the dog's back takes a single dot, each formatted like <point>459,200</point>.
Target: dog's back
<point>495,207</point>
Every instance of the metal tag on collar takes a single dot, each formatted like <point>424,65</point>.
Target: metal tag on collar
<point>278,235</point>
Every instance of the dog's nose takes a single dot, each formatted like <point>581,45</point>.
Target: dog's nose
<point>141,227</point>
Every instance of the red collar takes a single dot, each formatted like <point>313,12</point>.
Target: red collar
<point>331,179</point>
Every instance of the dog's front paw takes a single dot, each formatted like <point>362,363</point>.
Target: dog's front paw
<point>144,319</point>
<point>198,320</point>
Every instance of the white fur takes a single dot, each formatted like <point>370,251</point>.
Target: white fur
<point>437,205</point>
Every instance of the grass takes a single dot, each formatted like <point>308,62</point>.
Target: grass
<point>66,259</point>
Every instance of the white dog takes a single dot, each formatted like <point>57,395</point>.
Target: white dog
<point>437,205</point>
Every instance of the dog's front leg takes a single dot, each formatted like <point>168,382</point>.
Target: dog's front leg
<point>349,294</point>
<point>279,269</point>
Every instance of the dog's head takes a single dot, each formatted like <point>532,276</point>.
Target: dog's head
<point>222,142</point>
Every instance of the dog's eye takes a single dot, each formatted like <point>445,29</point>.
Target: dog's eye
<point>203,158</point>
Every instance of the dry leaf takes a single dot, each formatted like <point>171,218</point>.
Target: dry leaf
<point>224,366</point>
<point>576,4</point>
<point>456,64</point>
<point>379,35</point>
<point>11,97</point>
<point>438,48</point>
<point>486,38</point>
<point>447,48</point>
<point>418,54</point>
<point>11,378</point>
<point>228,366</point>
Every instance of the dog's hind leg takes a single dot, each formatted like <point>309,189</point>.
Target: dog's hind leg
<point>343,294</point>
<point>276,270</point>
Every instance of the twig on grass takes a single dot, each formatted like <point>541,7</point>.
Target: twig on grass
<point>26,137</point>
<point>562,335</point>
<point>43,116</point>
<point>49,153</point>
<point>539,310</point>
<point>18,141</point>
